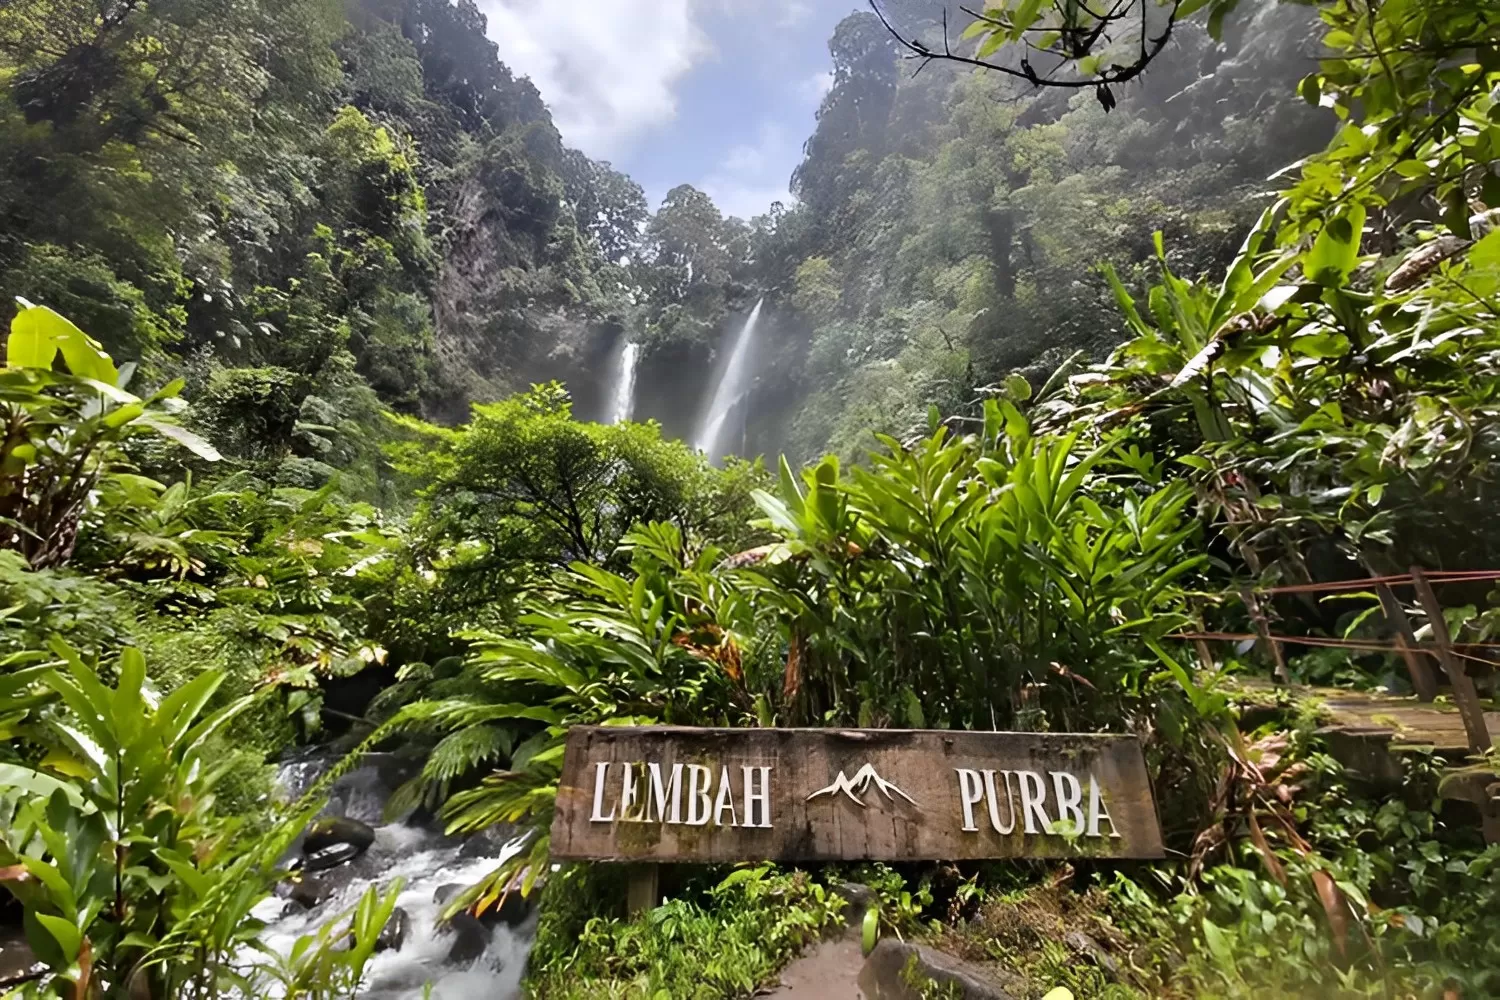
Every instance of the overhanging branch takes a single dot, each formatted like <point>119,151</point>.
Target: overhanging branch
<point>1072,44</point>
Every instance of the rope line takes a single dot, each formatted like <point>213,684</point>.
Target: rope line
<point>1361,645</point>
<point>1397,580</point>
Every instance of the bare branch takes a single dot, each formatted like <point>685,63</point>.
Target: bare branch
<point>1075,47</point>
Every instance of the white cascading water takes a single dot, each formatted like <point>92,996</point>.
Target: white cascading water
<point>427,860</point>
<point>733,381</point>
<point>622,400</point>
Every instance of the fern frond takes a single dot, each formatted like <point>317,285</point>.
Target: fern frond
<point>507,797</point>
<point>412,794</point>
<point>459,713</point>
<point>466,749</point>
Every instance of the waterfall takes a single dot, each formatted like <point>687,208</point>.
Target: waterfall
<point>733,381</point>
<point>622,399</point>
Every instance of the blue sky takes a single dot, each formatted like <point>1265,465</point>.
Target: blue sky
<point>720,94</point>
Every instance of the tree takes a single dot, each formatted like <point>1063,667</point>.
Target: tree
<point>610,206</point>
<point>817,289</point>
<point>689,241</point>
<point>1331,415</point>
<point>524,486</point>
<point>461,67</point>
<point>852,117</point>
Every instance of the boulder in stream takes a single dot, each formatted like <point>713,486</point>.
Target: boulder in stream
<point>513,909</point>
<point>393,934</point>
<point>471,939</point>
<point>306,892</point>
<point>330,857</point>
<point>333,831</point>
<point>18,964</point>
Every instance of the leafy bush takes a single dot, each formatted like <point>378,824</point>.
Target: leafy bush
<point>63,431</point>
<point>727,941</point>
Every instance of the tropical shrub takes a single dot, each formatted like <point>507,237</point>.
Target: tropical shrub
<point>64,431</point>
<point>726,938</point>
<point>132,878</point>
<point>111,840</point>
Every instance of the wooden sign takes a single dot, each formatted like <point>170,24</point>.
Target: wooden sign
<point>704,795</point>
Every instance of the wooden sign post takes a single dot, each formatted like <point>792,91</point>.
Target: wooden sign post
<point>662,794</point>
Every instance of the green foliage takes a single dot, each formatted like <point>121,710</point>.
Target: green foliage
<point>1016,553</point>
<point>817,294</point>
<point>974,569</point>
<point>1415,915</point>
<point>1329,398</point>
<point>960,213</point>
<point>64,432</point>
<point>95,614</point>
<point>611,650</point>
<point>726,941</point>
<point>130,875</point>
<point>524,486</point>
<point>110,842</point>
<point>1076,46</point>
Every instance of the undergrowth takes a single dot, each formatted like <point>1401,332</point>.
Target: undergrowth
<point>1398,898</point>
<point>723,938</point>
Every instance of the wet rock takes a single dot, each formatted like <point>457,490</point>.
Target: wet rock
<point>292,908</point>
<point>488,843</point>
<point>330,857</point>
<point>1088,947</point>
<point>898,970</point>
<point>513,909</point>
<point>471,938</point>
<point>859,897</point>
<point>334,831</point>
<point>393,934</point>
<point>18,964</point>
<point>307,892</point>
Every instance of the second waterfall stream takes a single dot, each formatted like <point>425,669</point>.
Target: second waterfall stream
<point>734,379</point>
<point>622,399</point>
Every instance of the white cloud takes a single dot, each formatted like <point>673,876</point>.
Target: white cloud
<point>608,70</point>
<point>752,175</point>
<point>793,13</point>
<point>816,87</point>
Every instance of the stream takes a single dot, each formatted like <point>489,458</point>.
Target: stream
<point>467,962</point>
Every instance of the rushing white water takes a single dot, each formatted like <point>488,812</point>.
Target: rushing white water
<point>734,379</point>
<point>427,861</point>
<point>622,400</point>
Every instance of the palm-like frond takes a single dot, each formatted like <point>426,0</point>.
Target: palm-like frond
<point>466,749</point>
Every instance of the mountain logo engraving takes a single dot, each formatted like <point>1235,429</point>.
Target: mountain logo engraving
<point>856,787</point>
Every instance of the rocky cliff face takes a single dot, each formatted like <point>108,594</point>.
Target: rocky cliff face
<point>516,300</point>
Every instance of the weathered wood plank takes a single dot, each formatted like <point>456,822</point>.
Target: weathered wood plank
<point>1268,646</point>
<point>1464,694</point>
<point>904,794</point>
<point>1422,680</point>
<point>643,891</point>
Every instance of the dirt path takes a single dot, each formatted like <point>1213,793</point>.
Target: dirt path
<point>828,972</point>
